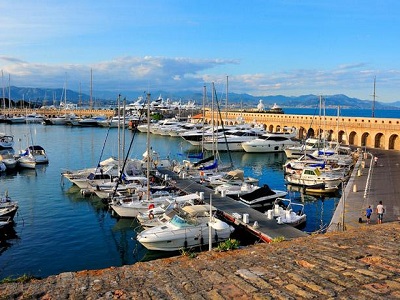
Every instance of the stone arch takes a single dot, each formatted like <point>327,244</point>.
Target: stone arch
<point>394,142</point>
<point>365,140</point>
<point>353,138</point>
<point>341,136</point>
<point>310,132</point>
<point>277,128</point>
<point>329,134</point>
<point>271,128</point>
<point>378,143</point>
<point>302,132</point>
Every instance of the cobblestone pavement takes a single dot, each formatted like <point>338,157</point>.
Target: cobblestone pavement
<point>359,263</point>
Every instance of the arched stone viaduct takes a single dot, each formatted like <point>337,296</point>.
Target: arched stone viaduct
<point>382,133</point>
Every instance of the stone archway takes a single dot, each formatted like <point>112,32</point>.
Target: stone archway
<point>378,143</point>
<point>271,128</point>
<point>301,133</point>
<point>365,140</point>
<point>353,138</point>
<point>394,142</point>
<point>310,132</point>
<point>329,135</point>
<point>341,137</point>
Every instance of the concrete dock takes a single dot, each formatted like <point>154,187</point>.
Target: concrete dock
<point>368,185</point>
<point>266,229</point>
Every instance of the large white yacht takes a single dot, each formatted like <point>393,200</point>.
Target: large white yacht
<point>272,142</point>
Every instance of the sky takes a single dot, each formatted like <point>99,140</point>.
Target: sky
<point>263,47</point>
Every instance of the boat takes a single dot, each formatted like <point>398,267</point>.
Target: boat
<point>61,119</point>
<point>93,121</point>
<point>234,177</point>
<point>271,142</point>
<point>32,156</point>
<point>275,109</point>
<point>309,146</point>
<point>8,208</point>
<point>287,212</point>
<point>6,141</point>
<point>16,120</point>
<point>149,217</point>
<point>231,140</point>
<point>235,191</point>
<point>34,118</point>
<point>7,157</point>
<point>314,178</point>
<point>190,229</point>
<point>264,196</point>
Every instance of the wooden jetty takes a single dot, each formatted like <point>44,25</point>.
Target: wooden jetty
<point>265,229</point>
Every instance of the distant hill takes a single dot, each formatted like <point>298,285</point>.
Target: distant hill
<point>41,96</point>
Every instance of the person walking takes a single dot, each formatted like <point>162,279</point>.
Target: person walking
<point>368,213</point>
<point>380,210</point>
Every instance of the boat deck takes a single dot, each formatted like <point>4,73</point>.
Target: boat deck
<point>266,229</point>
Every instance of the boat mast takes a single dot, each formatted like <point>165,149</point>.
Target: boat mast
<point>2,83</point>
<point>373,101</point>
<point>9,91</point>
<point>226,105</point>
<point>91,89</point>
<point>148,146</point>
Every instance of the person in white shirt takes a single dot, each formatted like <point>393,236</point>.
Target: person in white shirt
<point>380,211</point>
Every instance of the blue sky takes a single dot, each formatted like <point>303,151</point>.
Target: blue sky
<point>287,47</point>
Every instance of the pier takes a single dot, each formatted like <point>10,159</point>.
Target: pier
<point>266,229</point>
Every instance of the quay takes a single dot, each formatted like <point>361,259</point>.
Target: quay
<point>265,229</point>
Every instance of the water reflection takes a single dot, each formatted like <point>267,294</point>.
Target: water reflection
<point>8,237</point>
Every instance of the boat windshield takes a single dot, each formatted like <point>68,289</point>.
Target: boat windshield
<point>179,222</point>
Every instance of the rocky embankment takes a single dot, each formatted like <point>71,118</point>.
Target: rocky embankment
<point>357,264</point>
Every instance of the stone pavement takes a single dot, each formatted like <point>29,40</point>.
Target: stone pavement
<point>360,263</point>
<point>369,185</point>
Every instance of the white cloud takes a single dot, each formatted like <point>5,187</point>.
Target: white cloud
<point>172,74</point>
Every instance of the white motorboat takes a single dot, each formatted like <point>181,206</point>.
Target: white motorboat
<point>189,229</point>
<point>32,156</point>
<point>234,177</point>
<point>231,140</point>
<point>312,177</point>
<point>34,118</point>
<point>60,120</point>
<point>289,213</point>
<point>130,206</point>
<point>235,191</point>
<point>6,141</point>
<point>148,218</point>
<point>114,122</point>
<point>8,208</point>
<point>8,158</point>
<point>271,142</point>
<point>309,146</point>
<point>262,197</point>
<point>16,120</point>
<point>93,121</point>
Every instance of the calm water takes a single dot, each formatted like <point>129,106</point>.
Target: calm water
<point>59,230</point>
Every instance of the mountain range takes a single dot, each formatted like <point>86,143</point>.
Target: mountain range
<point>41,96</point>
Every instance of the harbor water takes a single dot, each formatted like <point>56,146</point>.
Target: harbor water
<point>57,229</point>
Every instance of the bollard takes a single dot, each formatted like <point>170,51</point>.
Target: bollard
<point>223,193</point>
<point>359,172</point>
<point>355,188</point>
<point>363,164</point>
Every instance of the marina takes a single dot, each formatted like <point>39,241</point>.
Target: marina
<point>55,214</point>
